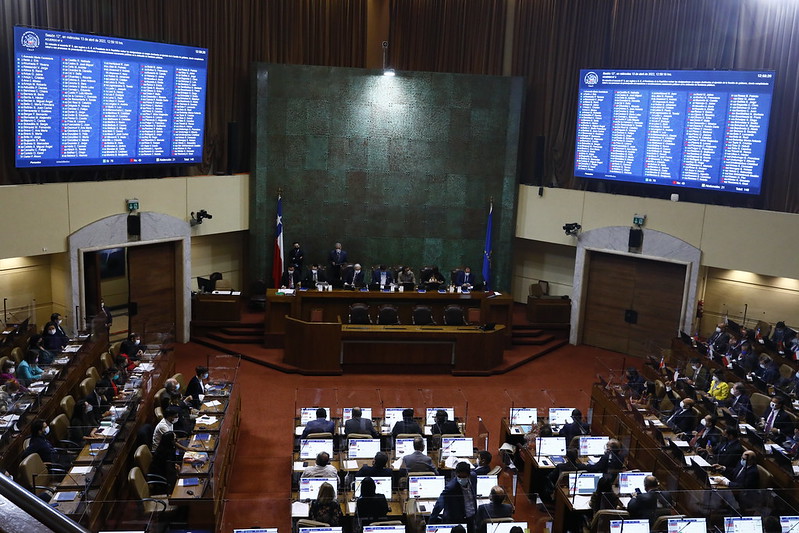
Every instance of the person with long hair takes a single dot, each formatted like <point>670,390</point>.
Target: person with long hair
<point>325,508</point>
<point>370,505</point>
<point>164,463</point>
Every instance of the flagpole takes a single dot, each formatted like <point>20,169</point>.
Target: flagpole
<point>487,248</point>
<point>277,258</point>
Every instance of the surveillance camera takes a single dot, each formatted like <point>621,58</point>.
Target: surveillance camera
<point>571,228</point>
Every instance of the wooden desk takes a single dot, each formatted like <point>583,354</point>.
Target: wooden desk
<point>216,308</point>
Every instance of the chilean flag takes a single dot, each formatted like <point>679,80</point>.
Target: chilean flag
<point>487,249</point>
<point>277,261</point>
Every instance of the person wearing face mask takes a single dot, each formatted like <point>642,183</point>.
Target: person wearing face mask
<point>7,372</point>
<point>28,369</point>
<point>83,424</point>
<point>296,256</point>
<point>196,387</point>
<point>167,424</point>
<point>457,503</point>
<point>697,374</point>
<point>747,359</point>
<point>776,423</point>
<point>56,322</point>
<point>726,454</point>
<point>610,462</point>
<point>50,339</point>
<point>740,403</point>
<point>132,347</point>
<point>768,370</point>
<point>706,434</point>
<point>36,344</point>
<point>719,389</point>
<point>315,275</point>
<point>335,259</point>
<point>39,443</point>
<point>682,419</point>
<point>743,475</point>
<point>719,340</point>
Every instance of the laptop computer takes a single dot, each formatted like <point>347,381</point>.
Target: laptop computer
<point>629,481</point>
<point>309,486</point>
<point>629,526</point>
<point>430,414</point>
<point>743,524</point>
<point>457,446</point>
<point>593,445</point>
<point>392,415</point>
<point>309,413</point>
<point>382,486</point>
<point>310,448</point>
<point>425,489</point>
<point>505,527</point>
<point>523,416</point>
<point>362,448</point>
<point>346,414</point>
<point>403,447</point>
<point>441,528</point>
<point>560,416</point>
<point>553,448</point>
<point>484,485</point>
<point>687,525</point>
<point>583,483</point>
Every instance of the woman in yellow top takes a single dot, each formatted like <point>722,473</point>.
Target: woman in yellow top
<point>719,389</point>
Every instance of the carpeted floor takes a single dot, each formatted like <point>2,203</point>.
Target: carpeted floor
<point>261,480</point>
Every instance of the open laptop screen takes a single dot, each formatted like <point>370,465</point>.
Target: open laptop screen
<point>523,416</point>
<point>309,413</point>
<point>336,529</point>
<point>457,446</point>
<point>403,447</point>
<point>743,524</point>
<point>583,482</point>
<point>687,525</point>
<point>629,481</point>
<point>310,448</point>
<point>309,486</point>
<point>430,414</point>
<point>425,487</point>
<point>256,530</point>
<point>629,526</point>
<point>363,448</point>
<point>550,446</point>
<point>382,486</point>
<point>392,415</point>
<point>485,484</point>
<point>789,524</point>
<point>441,528</point>
<point>366,412</point>
<point>504,527</point>
<point>384,529</point>
<point>560,416</point>
<point>593,445</point>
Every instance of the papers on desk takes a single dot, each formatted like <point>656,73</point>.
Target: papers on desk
<point>795,470</point>
<point>65,496</point>
<point>654,422</point>
<point>351,505</point>
<point>61,361</point>
<point>350,464</point>
<point>108,431</point>
<point>300,509</point>
<point>96,448</point>
<point>285,292</point>
<point>145,367</point>
<point>71,348</point>
<point>299,466</point>
<point>397,464</point>
<point>452,460</point>
<point>37,386</point>
<point>8,420</point>
<point>207,420</point>
<point>697,460</point>
<point>212,403</point>
<point>771,447</point>
<point>718,480</point>
<point>745,428</point>
<point>195,457</point>
<point>81,470</point>
<point>593,459</point>
<point>681,443</point>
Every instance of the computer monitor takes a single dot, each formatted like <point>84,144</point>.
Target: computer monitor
<point>256,530</point>
<point>425,487</point>
<point>629,526</point>
<point>743,524</point>
<point>485,484</point>
<point>505,527</point>
<point>310,448</point>
<point>309,413</point>
<point>441,528</point>
<point>523,416</point>
<point>336,529</point>
<point>404,447</point>
<point>560,416</point>
<point>366,412</point>
<point>309,486</point>
<point>382,486</point>
<point>430,414</point>
<point>593,445</point>
<point>583,482</point>
<point>687,525</point>
<point>550,446</point>
<point>457,446</point>
<point>629,481</point>
<point>384,529</point>
<point>789,524</point>
<point>363,448</point>
<point>392,415</point>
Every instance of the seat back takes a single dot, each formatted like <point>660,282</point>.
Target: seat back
<point>422,315</point>
<point>106,360</point>
<point>453,316</point>
<point>143,458</point>
<point>68,405</point>
<point>473,315</point>
<point>359,314</point>
<point>180,379</point>
<point>764,327</point>
<point>759,403</point>
<point>33,472</point>
<point>786,371</point>
<point>93,373</point>
<point>159,413</point>
<point>114,349</point>
<point>387,315</point>
<point>321,435</point>
<point>3,360</point>
<point>601,521</point>
<point>539,289</point>
<point>17,354</point>
<point>317,314</point>
<point>60,427</point>
<point>86,387</point>
<point>138,483</point>
<point>359,436</point>
<point>662,522</point>
<point>223,285</point>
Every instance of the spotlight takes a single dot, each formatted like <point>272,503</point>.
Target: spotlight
<point>572,228</point>
<point>201,214</point>
<point>386,70</point>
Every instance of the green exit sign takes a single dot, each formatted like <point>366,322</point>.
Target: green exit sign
<point>638,220</point>
<point>133,204</point>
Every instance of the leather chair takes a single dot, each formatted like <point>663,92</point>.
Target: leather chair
<point>60,428</point>
<point>155,503</point>
<point>180,379</point>
<point>17,354</point>
<point>258,295</point>
<point>114,349</point>
<point>92,372</point>
<point>143,458</point>
<point>36,475</point>
<point>359,314</point>
<point>86,387</point>
<point>453,316</point>
<point>387,315</point>
<point>422,315</point>
<point>106,360</point>
<point>68,406</point>
<point>602,518</point>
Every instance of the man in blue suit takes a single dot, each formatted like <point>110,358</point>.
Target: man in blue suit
<point>382,276</point>
<point>335,259</point>
<point>320,425</point>
<point>465,279</point>
<point>457,503</point>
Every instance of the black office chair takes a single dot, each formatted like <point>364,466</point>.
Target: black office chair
<point>258,295</point>
<point>453,316</point>
<point>359,314</point>
<point>387,315</point>
<point>422,316</point>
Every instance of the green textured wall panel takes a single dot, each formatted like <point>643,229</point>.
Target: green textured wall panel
<point>400,170</point>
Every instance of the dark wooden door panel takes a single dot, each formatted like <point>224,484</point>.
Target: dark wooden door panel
<point>609,292</point>
<point>151,280</point>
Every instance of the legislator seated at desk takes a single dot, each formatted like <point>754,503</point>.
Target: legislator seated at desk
<point>355,278</point>
<point>407,425</point>
<point>418,461</point>
<point>290,279</point>
<point>358,424</point>
<point>319,425</point>
<point>315,275</point>
<point>382,276</point>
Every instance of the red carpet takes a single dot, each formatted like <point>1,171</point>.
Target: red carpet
<point>261,481</point>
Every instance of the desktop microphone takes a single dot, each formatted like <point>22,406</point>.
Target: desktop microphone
<point>576,481</point>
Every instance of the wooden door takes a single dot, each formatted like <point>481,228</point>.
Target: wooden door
<point>151,289</point>
<point>91,285</point>
<point>632,304</point>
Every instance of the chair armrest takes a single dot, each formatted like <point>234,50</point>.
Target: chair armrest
<point>51,490</point>
<point>161,502</point>
<point>54,468</point>
<point>155,478</point>
<point>66,443</point>
<point>154,484</point>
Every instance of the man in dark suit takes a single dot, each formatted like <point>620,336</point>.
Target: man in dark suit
<point>407,425</point>
<point>644,505</point>
<point>382,276</point>
<point>444,426</point>
<point>378,467</point>
<point>458,501</point>
<point>776,422</point>
<point>296,256</point>
<point>484,458</point>
<point>706,434</point>
<point>465,279</point>
<point>496,508</point>
<point>196,387</point>
<point>719,341</point>
<point>741,403</point>
<point>576,428</point>
<point>60,334</point>
<point>418,461</point>
<point>335,259</point>
<point>728,453</point>
<point>682,419</point>
<point>290,279</point>
<point>744,475</point>
<point>610,461</point>
<point>698,376</point>
<point>315,275</point>
<point>355,278</point>
<point>358,424</point>
<point>320,425</point>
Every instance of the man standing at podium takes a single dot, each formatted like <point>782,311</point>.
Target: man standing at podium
<point>335,259</point>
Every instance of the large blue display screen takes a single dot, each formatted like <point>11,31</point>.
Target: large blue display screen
<point>691,129</point>
<point>93,100</point>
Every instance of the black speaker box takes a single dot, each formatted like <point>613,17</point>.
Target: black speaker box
<point>134,225</point>
<point>636,238</point>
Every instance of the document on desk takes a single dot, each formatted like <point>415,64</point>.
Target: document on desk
<point>681,443</point>
<point>299,509</point>
<point>108,431</point>
<point>299,466</point>
<point>770,447</point>
<point>718,480</point>
<point>61,361</point>
<point>351,506</point>
<point>698,460</point>
<point>207,420</point>
<point>65,496</point>
<point>146,367</point>
<point>396,465</point>
<point>212,403</point>
<point>81,470</point>
<point>350,464</point>
<point>71,348</point>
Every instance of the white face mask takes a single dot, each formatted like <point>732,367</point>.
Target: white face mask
<point>11,370</point>
<point>743,462</point>
<point>46,430</point>
<point>715,378</point>
<point>464,481</point>
<point>682,405</point>
<point>51,332</point>
<point>137,342</point>
<point>205,376</point>
<point>58,321</point>
<point>177,387</point>
<point>773,405</point>
<point>695,367</point>
<point>704,422</point>
<point>718,330</point>
<point>89,408</point>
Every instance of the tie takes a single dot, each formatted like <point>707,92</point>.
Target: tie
<point>314,277</point>
<point>291,281</point>
<point>697,437</point>
<point>770,421</point>
<point>671,418</point>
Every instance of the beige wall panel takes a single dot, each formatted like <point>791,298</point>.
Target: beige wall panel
<point>23,280</point>
<point>542,261</point>
<point>218,253</point>
<point>224,197</point>
<point>541,218</point>
<point>92,201</point>
<point>34,218</point>
<point>751,240</point>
